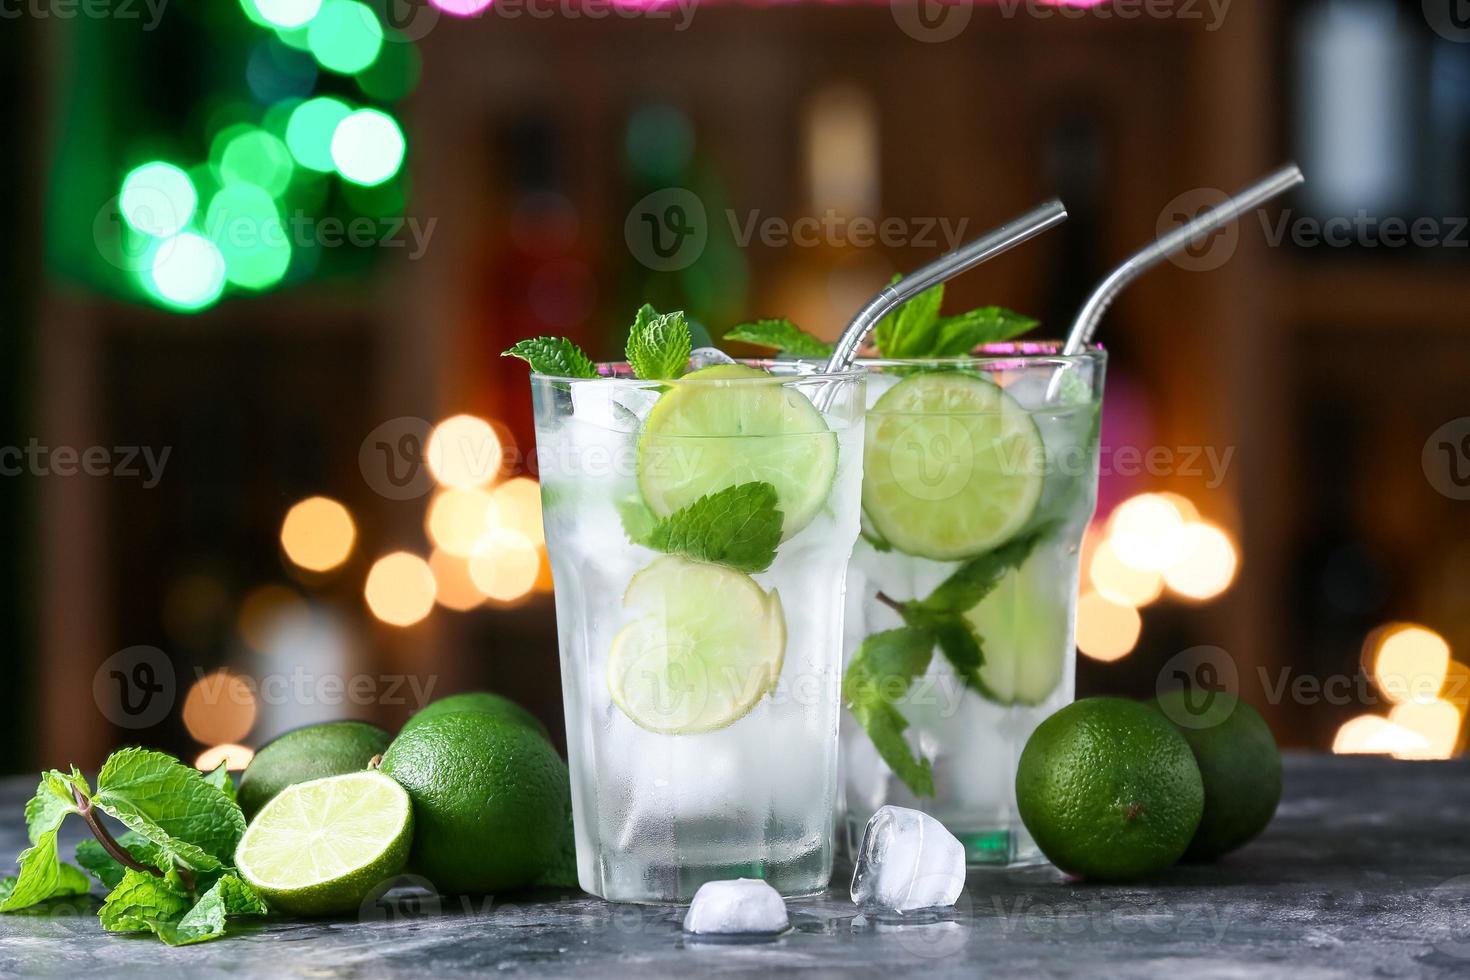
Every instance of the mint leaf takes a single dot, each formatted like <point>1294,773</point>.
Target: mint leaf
<point>782,335</point>
<point>42,875</point>
<point>93,857</point>
<point>52,802</point>
<point>69,883</point>
<point>973,580</point>
<point>913,328</point>
<point>881,673</point>
<point>739,526</point>
<point>658,344</point>
<point>638,520</point>
<point>955,639</point>
<point>219,778</point>
<point>142,899</point>
<point>172,805</point>
<point>230,896</point>
<point>554,356</point>
<point>959,335</point>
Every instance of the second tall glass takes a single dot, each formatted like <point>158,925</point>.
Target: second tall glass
<point>980,478</point>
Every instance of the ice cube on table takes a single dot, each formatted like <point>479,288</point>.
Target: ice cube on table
<point>908,861</point>
<point>703,357</point>
<point>744,907</point>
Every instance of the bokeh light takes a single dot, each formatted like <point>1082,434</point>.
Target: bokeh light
<point>254,156</point>
<point>461,8</point>
<point>158,199</point>
<point>220,707</point>
<point>368,147</point>
<point>318,534</point>
<point>1147,532</point>
<point>1106,630</point>
<point>1375,735</point>
<point>345,36</point>
<point>456,589</point>
<point>463,452</point>
<point>459,518</point>
<point>310,129</point>
<point>505,565</point>
<point>286,14</point>
<point>186,272</point>
<point>1122,583</point>
<point>396,72</point>
<point>1206,565</point>
<point>518,507</point>
<point>245,223</point>
<point>235,758</point>
<point>1436,722</point>
<point>1408,662</point>
<point>400,589</point>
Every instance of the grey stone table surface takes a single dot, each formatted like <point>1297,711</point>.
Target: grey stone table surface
<point>1364,872</point>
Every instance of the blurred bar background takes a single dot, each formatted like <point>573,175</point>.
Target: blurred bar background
<point>261,253</point>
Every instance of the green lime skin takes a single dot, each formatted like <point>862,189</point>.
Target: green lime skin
<point>1109,790</point>
<point>1238,761</point>
<point>490,799</point>
<point>478,701</point>
<point>329,749</point>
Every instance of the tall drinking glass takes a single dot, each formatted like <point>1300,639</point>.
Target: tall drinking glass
<point>980,478</point>
<point>699,532</point>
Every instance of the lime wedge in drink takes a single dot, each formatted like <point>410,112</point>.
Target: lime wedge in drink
<point>953,466</point>
<point>1024,638</point>
<point>321,847</point>
<point>706,646</point>
<point>704,437</point>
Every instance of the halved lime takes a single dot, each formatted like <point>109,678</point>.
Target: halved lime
<point>953,466</point>
<point>704,437</point>
<point>320,847</point>
<point>1022,626</point>
<point>707,644</point>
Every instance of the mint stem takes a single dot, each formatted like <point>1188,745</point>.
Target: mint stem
<point>893,604</point>
<point>111,846</point>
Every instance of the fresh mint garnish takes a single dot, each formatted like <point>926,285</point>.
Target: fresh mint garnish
<point>960,334</point>
<point>169,874</point>
<point>880,674</point>
<point>658,344</point>
<point>739,526</point>
<point>782,335</point>
<point>554,356</point>
<point>916,330</point>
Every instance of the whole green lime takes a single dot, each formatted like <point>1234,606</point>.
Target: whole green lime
<point>478,701</point>
<point>1109,790</point>
<point>490,800</point>
<point>311,752</point>
<point>1238,761</point>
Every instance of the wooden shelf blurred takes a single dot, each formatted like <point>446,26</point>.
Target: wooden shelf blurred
<point>1376,294</point>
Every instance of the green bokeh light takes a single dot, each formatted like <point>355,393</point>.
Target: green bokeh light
<point>158,199</point>
<point>187,272</point>
<point>310,129</point>
<point>245,224</point>
<point>368,147</point>
<point>345,36</point>
<point>286,14</point>
<point>256,157</point>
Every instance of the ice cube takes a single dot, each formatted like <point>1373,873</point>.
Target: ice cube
<point>907,862</point>
<point>703,357</point>
<point>745,906</point>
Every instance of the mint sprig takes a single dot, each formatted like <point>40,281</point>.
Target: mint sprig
<point>553,356</point>
<point>169,874</point>
<point>739,526</point>
<point>916,329</point>
<point>782,336</point>
<point>659,344</point>
<point>886,665</point>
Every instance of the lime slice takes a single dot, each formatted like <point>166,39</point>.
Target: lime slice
<point>706,646</point>
<point>701,438</point>
<point>1022,625</point>
<point>953,466</point>
<point>321,847</point>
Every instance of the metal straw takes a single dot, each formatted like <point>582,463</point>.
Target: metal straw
<point>946,267</point>
<point>1102,297</point>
